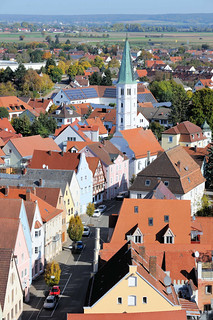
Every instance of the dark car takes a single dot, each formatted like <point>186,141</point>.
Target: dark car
<point>77,247</point>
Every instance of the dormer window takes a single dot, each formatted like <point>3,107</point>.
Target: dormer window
<point>147,183</point>
<point>166,183</point>
<point>169,236</point>
<point>135,209</point>
<point>193,136</point>
<point>150,221</point>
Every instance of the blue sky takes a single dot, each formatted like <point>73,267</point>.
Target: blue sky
<point>69,7</point>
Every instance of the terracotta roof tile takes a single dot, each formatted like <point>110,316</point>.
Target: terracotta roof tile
<point>141,141</point>
<point>6,125</point>
<point>5,260</point>
<point>97,122</point>
<point>26,145</point>
<point>13,104</point>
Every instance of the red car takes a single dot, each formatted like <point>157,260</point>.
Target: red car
<point>55,291</point>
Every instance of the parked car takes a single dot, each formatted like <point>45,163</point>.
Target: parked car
<point>121,195</point>
<point>86,231</point>
<point>50,302</point>
<point>102,208</point>
<point>97,213</point>
<point>77,247</point>
<point>55,291</point>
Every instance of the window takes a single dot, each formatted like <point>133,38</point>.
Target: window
<point>138,239</point>
<point>132,282</point>
<point>22,257</point>
<point>122,104</point>
<point>39,233</point>
<point>150,221</point>
<point>169,239</point>
<point>135,209</point>
<point>166,183</point>
<point>122,92</point>
<point>36,249</point>
<point>71,138</point>
<point>208,289</point>
<point>85,177</point>
<point>12,313</point>
<point>139,196</point>
<point>144,299</point>
<point>147,183</point>
<point>121,120</point>
<point>129,92</point>
<point>119,301</point>
<point>166,218</point>
<point>131,300</point>
<point>170,139</point>
<point>36,234</point>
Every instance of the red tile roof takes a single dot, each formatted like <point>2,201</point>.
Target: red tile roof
<point>141,73</point>
<point>162,315</point>
<point>13,104</point>
<point>141,141</point>
<point>6,257</point>
<point>6,125</point>
<point>26,145</point>
<point>97,122</point>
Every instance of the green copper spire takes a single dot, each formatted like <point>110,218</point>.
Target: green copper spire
<point>205,126</point>
<point>126,71</point>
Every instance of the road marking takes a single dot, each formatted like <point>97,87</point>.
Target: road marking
<point>34,310</point>
<point>110,207</point>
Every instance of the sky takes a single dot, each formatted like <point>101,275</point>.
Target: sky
<point>73,7</point>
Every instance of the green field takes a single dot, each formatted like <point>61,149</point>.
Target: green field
<point>173,39</point>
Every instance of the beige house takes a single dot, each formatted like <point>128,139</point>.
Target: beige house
<point>130,282</point>
<point>11,297</point>
<point>186,134</point>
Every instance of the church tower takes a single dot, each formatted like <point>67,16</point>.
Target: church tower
<point>126,93</point>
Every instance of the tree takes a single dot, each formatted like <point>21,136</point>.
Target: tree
<point>19,75</point>
<point>21,38</point>
<point>36,56</point>
<point>4,113</point>
<point>50,62</point>
<point>8,75</point>
<point>202,107</point>
<point>55,73</point>
<point>22,125</point>
<point>46,83</point>
<point>132,179</point>
<point>44,125</point>
<point>98,62</point>
<point>90,209</point>
<point>52,273</point>
<point>7,89</point>
<point>32,82</point>
<point>209,167</point>
<point>107,78</point>
<point>75,229</point>
<point>205,210</point>
<point>180,105</point>
<point>157,129</point>
<point>95,79</point>
<point>47,55</point>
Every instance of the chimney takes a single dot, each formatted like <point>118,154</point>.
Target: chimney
<point>152,265</point>
<point>61,153</point>
<point>178,164</point>
<point>142,251</point>
<point>40,182</point>
<point>6,191</point>
<point>148,158</point>
<point>28,195</point>
<point>195,148</point>
<point>96,250</point>
<point>49,152</point>
<point>33,191</point>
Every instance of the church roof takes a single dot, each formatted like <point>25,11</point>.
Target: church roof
<point>126,74</point>
<point>205,126</point>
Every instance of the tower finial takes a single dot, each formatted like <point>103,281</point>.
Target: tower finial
<point>126,36</point>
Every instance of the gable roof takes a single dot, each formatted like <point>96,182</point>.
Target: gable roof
<point>160,191</point>
<point>78,145</point>
<point>6,125</point>
<point>97,122</point>
<point>26,145</point>
<point>75,127</point>
<point>175,166</point>
<point>50,195</point>
<point>13,104</point>
<point>30,211</point>
<point>105,151</point>
<point>117,267</point>
<point>141,141</point>
<point>6,257</point>
<point>106,115</point>
<point>55,160</point>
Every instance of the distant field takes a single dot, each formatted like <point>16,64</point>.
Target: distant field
<point>173,39</point>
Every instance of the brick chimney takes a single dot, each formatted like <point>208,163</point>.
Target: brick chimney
<point>28,195</point>
<point>148,157</point>
<point>142,251</point>
<point>152,265</point>
<point>6,191</point>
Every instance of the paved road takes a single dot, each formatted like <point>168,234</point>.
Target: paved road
<point>75,274</point>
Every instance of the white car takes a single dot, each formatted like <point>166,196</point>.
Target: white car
<point>102,208</point>
<point>86,231</point>
<point>97,213</point>
<point>50,302</point>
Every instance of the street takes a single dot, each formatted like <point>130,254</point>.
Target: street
<point>76,270</point>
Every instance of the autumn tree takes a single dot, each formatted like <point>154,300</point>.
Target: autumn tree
<point>7,89</point>
<point>47,55</point>
<point>90,209</point>
<point>209,167</point>
<point>205,207</point>
<point>55,73</point>
<point>52,274</point>
<point>75,229</point>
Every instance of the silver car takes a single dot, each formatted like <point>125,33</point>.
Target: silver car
<point>50,302</point>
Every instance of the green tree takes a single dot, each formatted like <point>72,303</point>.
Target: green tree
<point>19,75</point>
<point>44,125</point>
<point>52,274</point>
<point>95,79</point>
<point>157,129</point>
<point>36,56</point>
<point>22,125</point>
<point>8,75</point>
<point>202,107</point>
<point>205,210</point>
<point>7,89</point>
<point>180,105</point>
<point>132,179</point>
<point>107,78</point>
<point>4,113</point>
<point>55,73</point>
<point>209,167</point>
<point>75,229</point>
<point>50,62</point>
